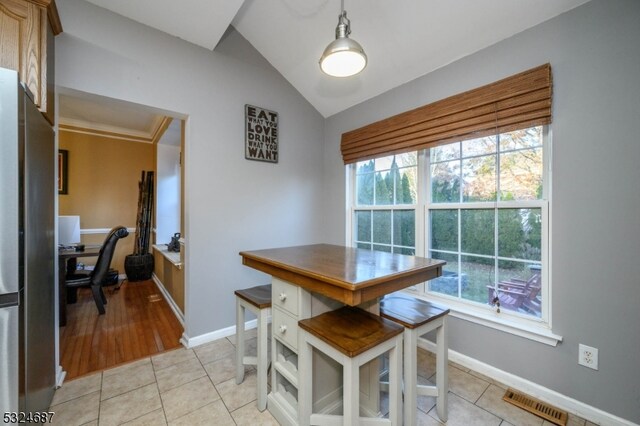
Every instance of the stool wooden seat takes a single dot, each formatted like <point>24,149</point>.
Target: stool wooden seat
<point>259,296</point>
<point>257,300</point>
<point>351,337</point>
<point>419,317</point>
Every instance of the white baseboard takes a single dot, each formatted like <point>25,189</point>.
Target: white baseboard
<point>60,375</point>
<point>190,342</point>
<point>169,299</point>
<point>592,414</point>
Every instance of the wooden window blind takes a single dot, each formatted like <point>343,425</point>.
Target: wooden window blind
<point>517,102</point>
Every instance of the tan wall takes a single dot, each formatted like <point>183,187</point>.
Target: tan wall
<point>171,278</point>
<point>103,175</point>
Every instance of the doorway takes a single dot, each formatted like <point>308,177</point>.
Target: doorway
<point>107,143</point>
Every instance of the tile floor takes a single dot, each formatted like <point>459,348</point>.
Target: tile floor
<point>197,387</point>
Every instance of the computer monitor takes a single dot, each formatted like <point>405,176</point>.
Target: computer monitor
<point>68,230</point>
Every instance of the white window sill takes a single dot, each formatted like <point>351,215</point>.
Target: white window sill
<point>529,329</point>
<point>173,257</point>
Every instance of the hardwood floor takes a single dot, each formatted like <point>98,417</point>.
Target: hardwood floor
<point>138,322</point>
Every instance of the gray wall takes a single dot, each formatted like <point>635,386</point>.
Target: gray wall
<point>594,51</point>
<point>232,204</point>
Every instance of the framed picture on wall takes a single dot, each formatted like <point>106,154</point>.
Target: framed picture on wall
<point>63,160</point>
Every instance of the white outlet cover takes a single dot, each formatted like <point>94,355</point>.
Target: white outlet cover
<point>588,356</point>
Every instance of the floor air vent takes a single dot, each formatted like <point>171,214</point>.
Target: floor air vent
<point>537,407</point>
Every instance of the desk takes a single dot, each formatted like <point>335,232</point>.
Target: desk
<point>309,280</point>
<point>63,256</point>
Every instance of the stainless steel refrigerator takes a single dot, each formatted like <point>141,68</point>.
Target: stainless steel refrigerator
<point>27,252</point>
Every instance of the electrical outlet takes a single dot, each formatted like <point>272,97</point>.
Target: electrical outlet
<point>588,356</point>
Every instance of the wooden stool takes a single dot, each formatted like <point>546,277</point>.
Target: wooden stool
<point>351,337</point>
<point>257,300</point>
<point>419,317</point>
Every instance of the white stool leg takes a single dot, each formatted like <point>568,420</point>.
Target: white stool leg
<point>305,393</point>
<point>395,384</point>
<point>442,373</point>
<point>262,359</point>
<point>410,376</point>
<point>239,341</point>
<point>351,389</point>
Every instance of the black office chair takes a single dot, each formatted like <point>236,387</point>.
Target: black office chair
<point>100,274</point>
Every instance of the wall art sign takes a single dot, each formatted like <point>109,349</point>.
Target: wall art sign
<point>261,134</point>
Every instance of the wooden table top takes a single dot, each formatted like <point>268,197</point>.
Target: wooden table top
<point>349,275</point>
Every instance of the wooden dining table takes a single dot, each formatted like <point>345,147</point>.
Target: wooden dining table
<point>311,279</point>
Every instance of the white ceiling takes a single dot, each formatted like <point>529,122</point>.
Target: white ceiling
<point>201,22</point>
<point>84,113</point>
<point>403,39</point>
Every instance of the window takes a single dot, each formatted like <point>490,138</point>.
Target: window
<point>385,204</point>
<point>485,215</point>
<point>481,205</point>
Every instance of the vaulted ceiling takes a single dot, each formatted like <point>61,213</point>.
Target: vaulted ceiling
<point>403,39</point>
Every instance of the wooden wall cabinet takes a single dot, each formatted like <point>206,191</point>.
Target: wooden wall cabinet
<point>27,28</point>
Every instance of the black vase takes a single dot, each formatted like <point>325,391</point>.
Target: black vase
<point>138,267</point>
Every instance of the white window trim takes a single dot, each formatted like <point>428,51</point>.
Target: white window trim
<point>532,329</point>
<point>539,330</point>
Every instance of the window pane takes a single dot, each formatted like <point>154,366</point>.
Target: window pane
<point>481,146</point>
<point>479,178</point>
<point>382,227</point>
<point>526,138</point>
<point>364,166</point>
<point>363,225</point>
<point>384,188</point>
<point>444,230</point>
<point>479,272</point>
<point>445,182</point>
<point>449,281</point>
<point>519,286</point>
<point>382,248</point>
<point>404,225</point>
<point>519,233</point>
<point>364,189</point>
<point>405,182</point>
<point>364,246</point>
<point>404,250</point>
<point>407,159</point>
<point>445,152</point>
<point>521,175</point>
<point>518,271</point>
<point>383,163</point>
<point>477,229</point>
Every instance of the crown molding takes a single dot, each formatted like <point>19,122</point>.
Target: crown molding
<point>161,128</point>
<point>103,133</point>
<point>158,128</point>
<point>54,18</point>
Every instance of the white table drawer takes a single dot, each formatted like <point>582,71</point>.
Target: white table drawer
<point>285,328</point>
<point>285,296</point>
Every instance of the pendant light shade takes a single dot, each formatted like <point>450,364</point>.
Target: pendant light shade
<point>343,57</point>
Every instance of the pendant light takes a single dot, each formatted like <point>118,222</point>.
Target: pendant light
<point>343,57</point>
